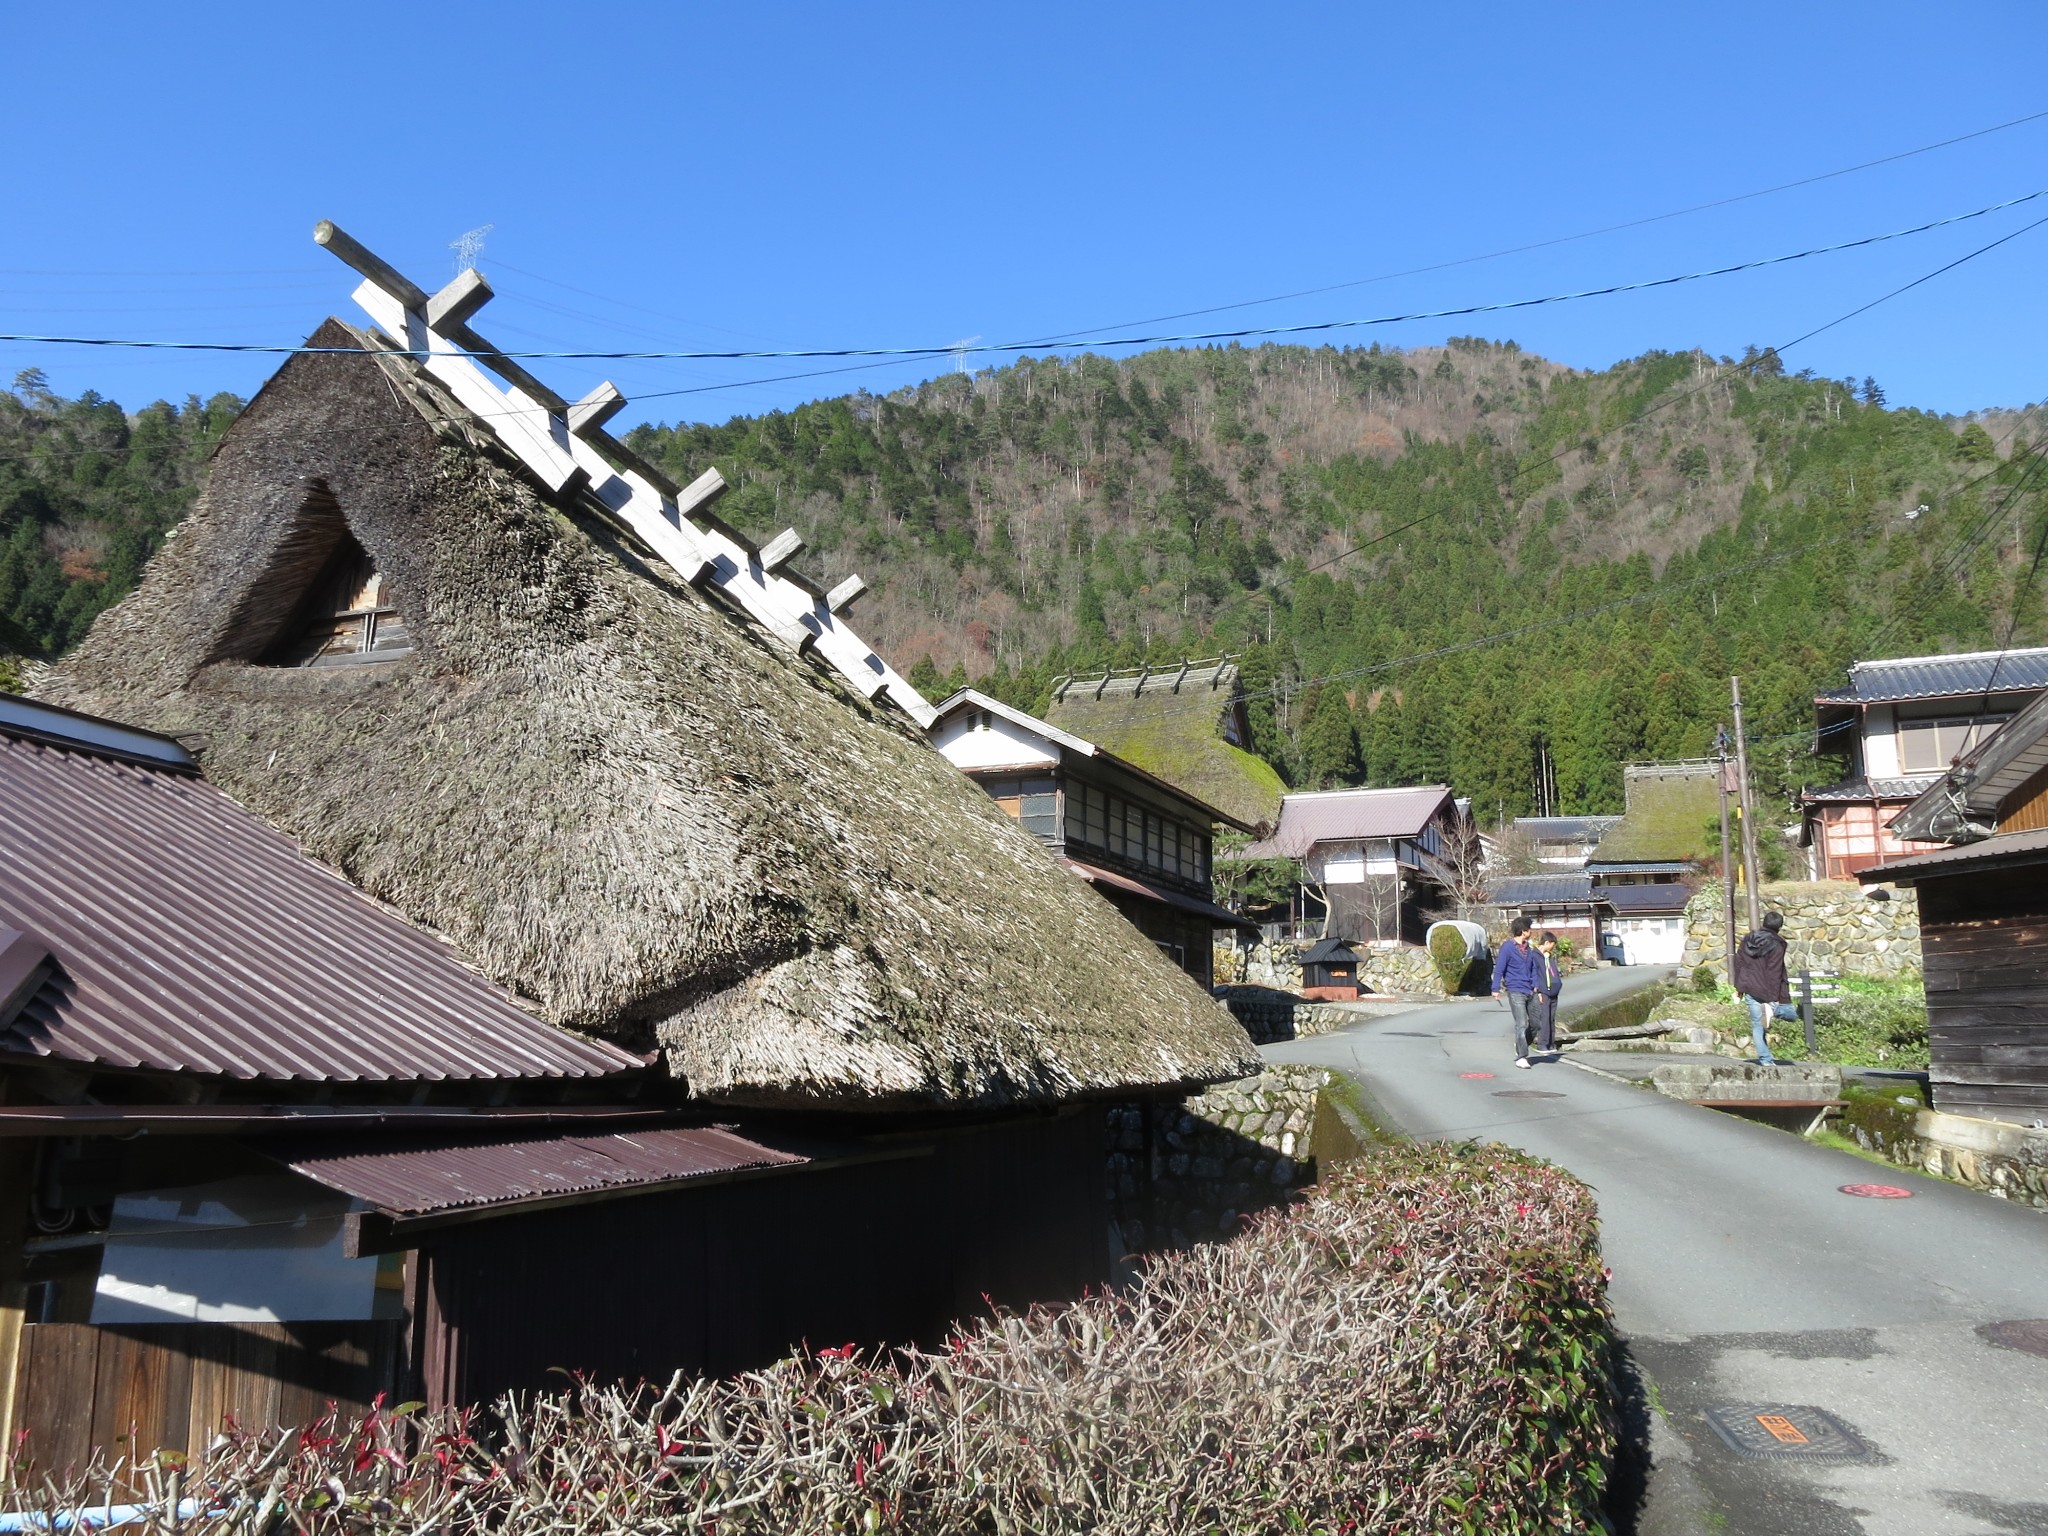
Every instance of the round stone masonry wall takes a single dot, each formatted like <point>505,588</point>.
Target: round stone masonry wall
<point>1830,925</point>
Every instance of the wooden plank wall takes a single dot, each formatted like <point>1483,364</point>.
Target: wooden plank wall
<point>2026,809</point>
<point>131,1389</point>
<point>1984,940</point>
<point>731,1277</point>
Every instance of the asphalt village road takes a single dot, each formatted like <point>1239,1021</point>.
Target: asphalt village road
<point>1744,1279</point>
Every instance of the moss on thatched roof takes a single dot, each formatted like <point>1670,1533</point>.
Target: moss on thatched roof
<point>1670,808</point>
<point>617,798</point>
<point>1170,723</point>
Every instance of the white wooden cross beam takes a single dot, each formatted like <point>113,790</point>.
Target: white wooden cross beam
<point>566,447</point>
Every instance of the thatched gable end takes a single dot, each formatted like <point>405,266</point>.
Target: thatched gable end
<point>613,795</point>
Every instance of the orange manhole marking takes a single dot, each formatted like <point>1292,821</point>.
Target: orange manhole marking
<point>1781,1428</point>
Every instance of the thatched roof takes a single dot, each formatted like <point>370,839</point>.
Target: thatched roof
<point>1173,722</point>
<point>626,802</point>
<point>1671,808</point>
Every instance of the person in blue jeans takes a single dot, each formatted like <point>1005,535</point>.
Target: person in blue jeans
<point>1518,978</point>
<point>1547,993</point>
<point>1758,975</point>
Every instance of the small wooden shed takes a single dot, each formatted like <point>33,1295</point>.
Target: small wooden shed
<point>1329,971</point>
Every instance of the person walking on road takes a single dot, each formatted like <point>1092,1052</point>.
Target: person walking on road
<point>1517,972</point>
<point>1549,985</point>
<point>1758,975</point>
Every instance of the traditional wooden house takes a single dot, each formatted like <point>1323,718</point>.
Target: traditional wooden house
<point>1642,870</point>
<point>1898,724</point>
<point>1564,903</point>
<point>1984,921</point>
<point>1375,863</point>
<point>1144,844</point>
<point>1184,724</point>
<point>1563,842</point>
<point>678,825</point>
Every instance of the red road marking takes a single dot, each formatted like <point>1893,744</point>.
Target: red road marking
<point>1878,1191</point>
<point>1475,1074</point>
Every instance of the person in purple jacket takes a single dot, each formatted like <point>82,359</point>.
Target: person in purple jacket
<point>1518,977</point>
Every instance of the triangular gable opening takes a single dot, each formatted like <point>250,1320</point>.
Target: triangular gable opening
<point>349,617</point>
<point>320,602</point>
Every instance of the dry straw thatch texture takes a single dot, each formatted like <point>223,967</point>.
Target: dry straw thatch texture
<point>614,796</point>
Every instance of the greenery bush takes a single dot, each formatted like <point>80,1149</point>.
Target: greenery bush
<point>1447,950</point>
<point>1420,1345</point>
<point>1704,980</point>
<point>1876,1024</point>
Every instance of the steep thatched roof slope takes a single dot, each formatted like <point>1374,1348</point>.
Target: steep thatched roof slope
<point>1671,809</point>
<point>616,798</point>
<point>1171,722</point>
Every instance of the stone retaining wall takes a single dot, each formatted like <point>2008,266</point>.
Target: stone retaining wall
<point>1269,1015</point>
<point>1403,970</point>
<point>2010,1161</point>
<point>1830,925</point>
<point>1181,1173</point>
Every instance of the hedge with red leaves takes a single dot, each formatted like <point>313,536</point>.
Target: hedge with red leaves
<point>1420,1344</point>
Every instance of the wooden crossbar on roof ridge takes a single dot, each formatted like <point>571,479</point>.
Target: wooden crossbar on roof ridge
<point>565,445</point>
<point>1213,666</point>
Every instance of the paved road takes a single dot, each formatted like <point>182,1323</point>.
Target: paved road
<point>1743,1275</point>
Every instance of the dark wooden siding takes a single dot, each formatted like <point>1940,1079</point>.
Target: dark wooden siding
<point>132,1389</point>
<point>1984,939</point>
<point>733,1276</point>
<point>2027,808</point>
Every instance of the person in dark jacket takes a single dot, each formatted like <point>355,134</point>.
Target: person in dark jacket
<point>1758,976</point>
<point>1551,985</point>
<point>1517,972</point>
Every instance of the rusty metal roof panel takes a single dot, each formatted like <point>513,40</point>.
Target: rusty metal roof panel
<point>192,937</point>
<point>424,1179</point>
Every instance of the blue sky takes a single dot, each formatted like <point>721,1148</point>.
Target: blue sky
<point>685,178</point>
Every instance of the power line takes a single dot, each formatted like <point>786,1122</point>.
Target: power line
<point>986,348</point>
<point>1541,245</point>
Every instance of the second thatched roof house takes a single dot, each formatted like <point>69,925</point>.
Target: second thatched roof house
<point>461,645</point>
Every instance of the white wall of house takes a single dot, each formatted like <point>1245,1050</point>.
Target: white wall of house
<point>1881,742</point>
<point>975,739</point>
<point>1350,863</point>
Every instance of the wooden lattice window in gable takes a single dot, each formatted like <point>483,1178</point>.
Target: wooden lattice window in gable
<point>349,617</point>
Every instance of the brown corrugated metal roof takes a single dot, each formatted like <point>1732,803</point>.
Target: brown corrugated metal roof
<point>426,1179</point>
<point>1349,815</point>
<point>193,938</point>
<point>1990,852</point>
<point>1166,894</point>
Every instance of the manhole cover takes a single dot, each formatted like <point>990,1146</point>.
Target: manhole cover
<point>1781,1431</point>
<point>1878,1191</point>
<point>1475,1074</point>
<point>2029,1335</point>
<point>1525,1093</point>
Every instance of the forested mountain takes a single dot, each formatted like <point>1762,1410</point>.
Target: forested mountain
<point>1361,526</point>
<point>87,492</point>
<point>1652,527</point>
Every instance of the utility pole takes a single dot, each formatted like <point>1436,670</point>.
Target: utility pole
<point>1755,903</point>
<point>1727,865</point>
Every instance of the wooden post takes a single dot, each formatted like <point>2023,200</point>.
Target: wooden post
<point>17,1171</point>
<point>1749,874</point>
<point>1727,864</point>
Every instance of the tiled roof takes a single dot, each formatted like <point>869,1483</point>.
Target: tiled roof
<point>190,937</point>
<point>1631,899</point>
<point>1542,890</point>
<point>1349,815</point>
<point>1853,790</point>
<point>1940,677</point>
